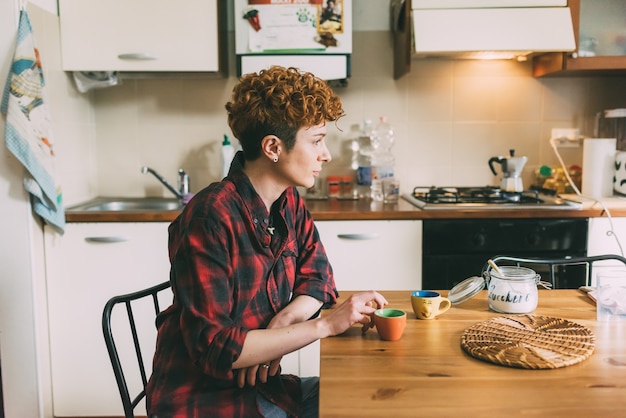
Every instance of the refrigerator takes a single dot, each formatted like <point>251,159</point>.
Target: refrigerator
<point>312,35</point>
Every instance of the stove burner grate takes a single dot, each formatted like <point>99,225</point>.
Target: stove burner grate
<point>478,195</point>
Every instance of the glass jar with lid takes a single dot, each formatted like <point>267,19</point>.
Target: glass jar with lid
<point>513,290</point>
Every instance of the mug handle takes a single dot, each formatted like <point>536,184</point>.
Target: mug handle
<point>444,305</point>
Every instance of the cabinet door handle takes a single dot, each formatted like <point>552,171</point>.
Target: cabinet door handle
<point>106,240</point>
<point>140,56</point>
<point>361,236</point>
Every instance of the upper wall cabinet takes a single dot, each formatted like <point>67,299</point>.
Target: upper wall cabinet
<point>600,40</point>
<point>143,35</point>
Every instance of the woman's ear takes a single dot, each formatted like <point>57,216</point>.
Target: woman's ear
<point>271,147</point>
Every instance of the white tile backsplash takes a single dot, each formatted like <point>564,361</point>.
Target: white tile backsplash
<point>433,102</point>
<point>450,118</point>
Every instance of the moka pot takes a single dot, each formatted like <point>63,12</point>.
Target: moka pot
<point>511,171</point>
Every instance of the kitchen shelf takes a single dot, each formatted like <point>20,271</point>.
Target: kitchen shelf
<point>576,64</point>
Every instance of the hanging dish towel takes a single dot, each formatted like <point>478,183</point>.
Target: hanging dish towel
<point>89,80</point>
<point>28,129</point>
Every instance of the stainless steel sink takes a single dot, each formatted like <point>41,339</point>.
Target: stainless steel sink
<point>132,204</point>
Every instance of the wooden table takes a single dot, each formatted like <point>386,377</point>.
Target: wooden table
<point>427,374</point>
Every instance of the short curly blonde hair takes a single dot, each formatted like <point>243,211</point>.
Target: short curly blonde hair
<point>279,101</point>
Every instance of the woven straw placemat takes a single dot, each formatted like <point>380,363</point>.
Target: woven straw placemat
<point>529,341</point>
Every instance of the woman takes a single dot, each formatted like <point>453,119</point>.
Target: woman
<point>248,270</point>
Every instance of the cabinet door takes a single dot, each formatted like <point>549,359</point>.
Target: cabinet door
<point>139,35</point>
<point>599,32</point>
<point>379,255</point>
<point>605,238</point>
<point>85,267</point>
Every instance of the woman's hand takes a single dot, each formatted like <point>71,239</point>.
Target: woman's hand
<point>358,308</point>
<point>262,371</point>
<point>370,323</point>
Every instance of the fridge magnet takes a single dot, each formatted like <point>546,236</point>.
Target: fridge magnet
<point>252,16</point>
<point>330,17</point>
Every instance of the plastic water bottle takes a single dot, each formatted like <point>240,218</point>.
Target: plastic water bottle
<point>364,159</point>
<point>382,160</point>
<point>228,152</point>
<point>382,134</point>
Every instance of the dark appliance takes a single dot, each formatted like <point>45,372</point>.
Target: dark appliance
<point>455,249</point>
<point>487,197</point>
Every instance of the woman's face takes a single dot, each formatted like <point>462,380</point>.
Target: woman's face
<point>303,163</point>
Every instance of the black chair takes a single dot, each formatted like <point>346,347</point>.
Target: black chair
<point>138,309</point>
<point>555,264</point>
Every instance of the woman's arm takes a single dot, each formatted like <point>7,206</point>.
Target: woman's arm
<point>264,345</point>
<point>300,309</point>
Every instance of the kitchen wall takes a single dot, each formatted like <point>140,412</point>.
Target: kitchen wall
<point>450,117</point>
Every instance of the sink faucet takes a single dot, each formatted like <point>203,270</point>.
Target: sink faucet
<point>183,182</point>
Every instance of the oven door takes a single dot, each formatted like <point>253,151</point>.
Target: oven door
<point>455,249</point>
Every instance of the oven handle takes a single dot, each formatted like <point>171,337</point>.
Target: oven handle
<point>359,236</point>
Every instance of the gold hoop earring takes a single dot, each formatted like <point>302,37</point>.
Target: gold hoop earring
<point>275,159</point>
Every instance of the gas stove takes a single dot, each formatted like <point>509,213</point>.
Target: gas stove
<point>487,197</point>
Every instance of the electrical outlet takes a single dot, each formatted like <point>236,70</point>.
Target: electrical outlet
<point>566,137</point>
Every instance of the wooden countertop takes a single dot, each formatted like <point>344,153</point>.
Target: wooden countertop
<point>426,373</point>
<point>333,209</point>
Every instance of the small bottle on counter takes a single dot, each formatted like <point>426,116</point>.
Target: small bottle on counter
<point>346,187</point>
<point>228,153</point>
<point>541,174</point>
<point>333,183</point>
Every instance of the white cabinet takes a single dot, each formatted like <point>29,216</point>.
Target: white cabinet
<point>379,255</point>
<point>606,238</point>
<point>85,267</point>
<point>140,35</point>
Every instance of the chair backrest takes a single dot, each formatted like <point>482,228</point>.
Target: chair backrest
<point>554,264</point>
<point>136,306</point>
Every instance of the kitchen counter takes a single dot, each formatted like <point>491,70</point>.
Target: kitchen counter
<point>334,209</point>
